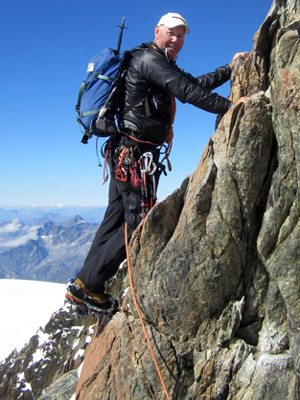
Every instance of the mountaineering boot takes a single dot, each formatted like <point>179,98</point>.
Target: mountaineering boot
<point>99,297</point>
<point>79,283</point>
<point>78,294</point>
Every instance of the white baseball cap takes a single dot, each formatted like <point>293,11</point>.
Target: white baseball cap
<point>171,20</point>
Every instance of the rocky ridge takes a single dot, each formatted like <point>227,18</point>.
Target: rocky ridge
<point>53,354</point>
<point>216,265</point>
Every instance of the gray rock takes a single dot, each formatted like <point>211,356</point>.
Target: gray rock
<point>63,388</point>
<point>216,265</point>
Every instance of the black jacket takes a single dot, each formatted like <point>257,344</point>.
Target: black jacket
<point>149,83</point>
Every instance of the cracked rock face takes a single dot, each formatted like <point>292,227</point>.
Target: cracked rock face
<point>216,265</point>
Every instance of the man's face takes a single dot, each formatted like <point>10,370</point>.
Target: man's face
<point>171,38</point>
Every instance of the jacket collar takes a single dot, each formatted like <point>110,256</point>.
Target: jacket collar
<point>162,51</point>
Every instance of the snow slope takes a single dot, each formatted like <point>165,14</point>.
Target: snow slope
<point>25,307</point>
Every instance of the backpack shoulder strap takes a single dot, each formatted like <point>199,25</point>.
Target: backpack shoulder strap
<point>136,101</point>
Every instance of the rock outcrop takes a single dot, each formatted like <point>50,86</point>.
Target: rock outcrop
<point>216,266</point>
<point>47,367</point>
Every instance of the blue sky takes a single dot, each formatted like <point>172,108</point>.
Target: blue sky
<point>45,49</point>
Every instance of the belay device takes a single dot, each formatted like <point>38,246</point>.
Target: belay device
<point>97,102</point>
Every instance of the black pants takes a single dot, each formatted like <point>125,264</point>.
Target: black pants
<point>108,248</point>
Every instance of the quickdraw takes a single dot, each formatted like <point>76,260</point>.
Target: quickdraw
<point>105,170</point>
<point>170,135</point>
<point>147,168</point>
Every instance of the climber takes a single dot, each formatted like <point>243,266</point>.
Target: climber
<point>154,77</point>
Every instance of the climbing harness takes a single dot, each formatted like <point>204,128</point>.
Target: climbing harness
<point>140,316</point>
<point>127,167</point>
<point>138,140</point>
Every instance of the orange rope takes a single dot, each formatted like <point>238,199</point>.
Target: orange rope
<point>140,315</point>
<point>120,173</point>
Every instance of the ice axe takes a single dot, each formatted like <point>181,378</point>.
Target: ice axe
<point>122,27</point>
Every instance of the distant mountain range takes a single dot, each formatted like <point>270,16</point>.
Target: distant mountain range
<point>32,215</point>
<point>47,251</point>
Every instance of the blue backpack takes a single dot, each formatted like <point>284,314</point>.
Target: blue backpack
<point>99,94</point>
